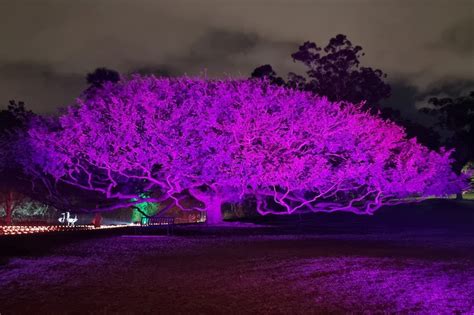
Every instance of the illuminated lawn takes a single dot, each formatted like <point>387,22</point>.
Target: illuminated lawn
<point>329,266</point>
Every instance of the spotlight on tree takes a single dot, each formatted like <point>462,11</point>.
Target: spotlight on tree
<point>225,140</point>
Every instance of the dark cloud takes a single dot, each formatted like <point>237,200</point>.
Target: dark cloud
<point>451,88</point>
<point>235,51</point>
<point>45,87</point>
<point>48,46</point>
<point>214,51</point>
<point>404,97</point>
<point>159,71</point>
<point>223,43</point>
<point>409,99</point>
<point>38,85</point>
<point>448,88</point>
<point>458,38</point>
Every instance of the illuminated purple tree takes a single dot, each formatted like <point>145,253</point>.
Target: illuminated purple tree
<point>223,141</point>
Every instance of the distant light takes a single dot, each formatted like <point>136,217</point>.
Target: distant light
<point>40,229</point>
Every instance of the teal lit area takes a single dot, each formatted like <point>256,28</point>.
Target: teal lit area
<point>142,211</point>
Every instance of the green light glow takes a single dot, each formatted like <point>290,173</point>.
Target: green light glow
<point>149,208</point>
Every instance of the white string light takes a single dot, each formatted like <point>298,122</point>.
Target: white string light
<point>36,229</point>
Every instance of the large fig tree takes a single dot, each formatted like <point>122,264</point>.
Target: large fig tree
<point>223,141</point>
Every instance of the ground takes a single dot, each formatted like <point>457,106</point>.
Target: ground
<point>411,259</point>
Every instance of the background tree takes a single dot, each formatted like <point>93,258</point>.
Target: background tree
<point>25,190</point>
<point>220,141</point>
<point>98,78</point>
<point>334,72</point>
<point>267,72</point>
<point>456,121</point>
<point>426,135</point>
<point>13,121</point>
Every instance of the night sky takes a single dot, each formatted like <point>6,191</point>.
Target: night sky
<point>47,47</point>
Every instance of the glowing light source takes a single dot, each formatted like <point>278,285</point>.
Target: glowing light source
<point>36,229</point>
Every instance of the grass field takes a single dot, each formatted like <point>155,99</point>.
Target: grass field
<point>411,259</point>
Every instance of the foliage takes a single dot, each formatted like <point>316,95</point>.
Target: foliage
<point>27,208</point>
<point>13,122</point>
<point>334,72</point>
<point>468,170</point>
<point>223,141</point>
<point>426,135</point>
<point>102,75</point>
<point>98,78</point>
<point>21,186</point>
<point>456,117</point>
<point>143,209</point>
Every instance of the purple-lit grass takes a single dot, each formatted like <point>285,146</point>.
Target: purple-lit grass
<point>423,271</point>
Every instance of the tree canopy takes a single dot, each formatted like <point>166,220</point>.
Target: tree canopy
<point>456,119</point>
<point>13,122</point>
<point>336,72</point>
<point>223,140</point>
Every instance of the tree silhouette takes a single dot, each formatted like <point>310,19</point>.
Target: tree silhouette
<point>13,121</point>
<point>427,136</point>
<point>14,116</point>
<point>19,181</point>
<point>456,119</point>
<point>334,72</point>
<point>99,76</point>
<point>266,71</point>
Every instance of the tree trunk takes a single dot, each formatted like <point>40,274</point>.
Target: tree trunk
<point>214,212</point>
<point>213,203</point>
<point>459,196</point>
